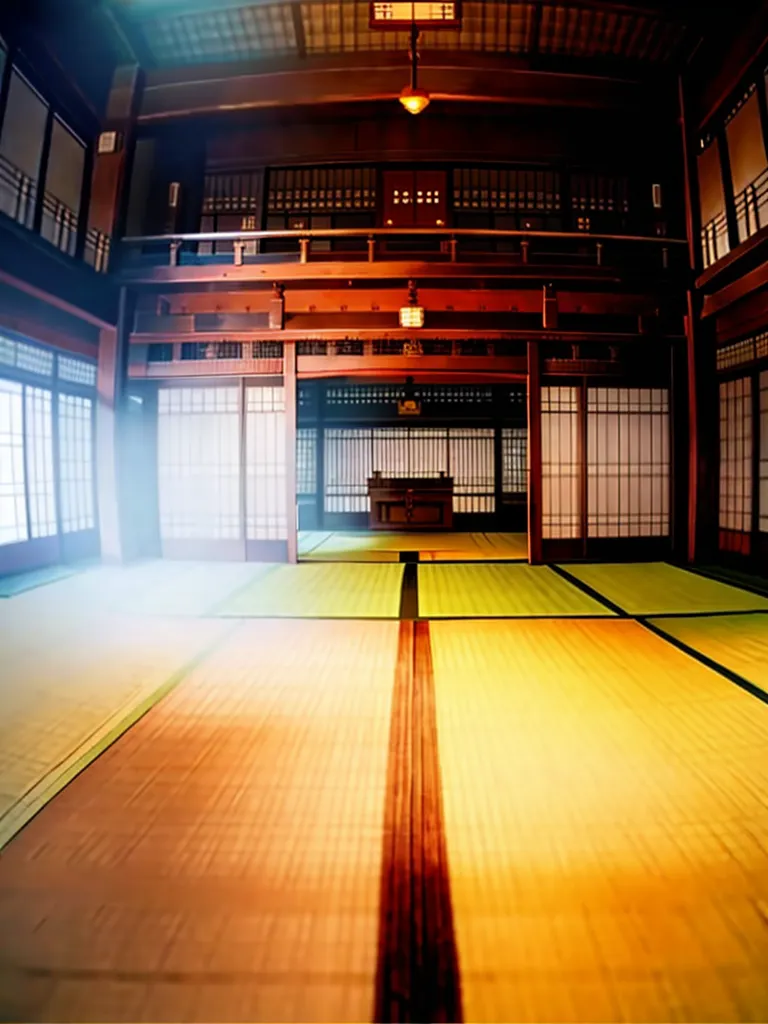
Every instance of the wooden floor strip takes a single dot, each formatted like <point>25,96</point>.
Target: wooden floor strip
<point>417,974</point>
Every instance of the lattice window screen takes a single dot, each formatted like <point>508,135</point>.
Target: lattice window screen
<point>514,449</point>
<point>76,463</point>
<point>470,461</point>
<point>763,522</point>
<point>265,480</point>
<point>199,463</point>
<point>427,452</point>
<point>348,466</point>
<point>13,514</point>
<point>736,455</point>
<point>561,476</point>
<point>306,460</point>
<point>39,462</point>
<point>628,468</point>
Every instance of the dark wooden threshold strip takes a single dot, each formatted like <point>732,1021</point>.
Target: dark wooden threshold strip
<point>589,591</point>
<point>409,594</point>
<point>418,975</point>
<point>703,659</point>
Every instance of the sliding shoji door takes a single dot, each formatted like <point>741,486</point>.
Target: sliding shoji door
<point>560,464</point>
<point>736,467</point>
<point>199,471</point>
<point>628,462</point>
<point>47,485</point>
<point>266,512</point>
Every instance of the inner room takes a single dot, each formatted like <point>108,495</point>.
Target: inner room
<point>383,511</point>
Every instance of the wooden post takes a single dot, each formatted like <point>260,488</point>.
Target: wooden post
<point>109,186</point>
<point>289,383</point>
<point>535,545</point>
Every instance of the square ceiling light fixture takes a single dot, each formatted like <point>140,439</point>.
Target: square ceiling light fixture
<point>400,14</point>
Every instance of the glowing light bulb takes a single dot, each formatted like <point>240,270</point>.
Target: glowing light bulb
<point>414,100</point>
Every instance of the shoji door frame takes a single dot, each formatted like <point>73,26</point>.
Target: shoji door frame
<point>758,542</point>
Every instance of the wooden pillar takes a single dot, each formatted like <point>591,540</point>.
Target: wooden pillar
<point>320,387</point>
<point>703,408</point>
<point>289,381</point>
<point>535,546</point>
<point>113,346</point>
<point>109,185</point>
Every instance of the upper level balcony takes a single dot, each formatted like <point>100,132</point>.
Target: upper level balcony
<point>233,258</point>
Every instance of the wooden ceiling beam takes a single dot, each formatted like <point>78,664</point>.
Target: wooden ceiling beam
<point>354,79</point>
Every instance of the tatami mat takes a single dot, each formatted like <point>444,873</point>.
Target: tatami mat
<point>383,546</point>
<point>488,591</point>
<point>607,829</point>
<point>316,590</point>
<point>655,588</point>
<point>737,642</point>
<point>65,689</point>
<point>222,861</point>
<point>19,583</point>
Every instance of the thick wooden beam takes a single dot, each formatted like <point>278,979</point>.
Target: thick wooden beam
<point>389,270</point>
<point>290,388</point>
<point>535,489</point>
<point>366,78</point>
<point>110,170</point>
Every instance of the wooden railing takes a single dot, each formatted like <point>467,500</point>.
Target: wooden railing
<point>449,245</point>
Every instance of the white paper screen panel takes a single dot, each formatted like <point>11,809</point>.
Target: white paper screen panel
<point>764,451</point>
<point>560,469</point>
<point>265,475</point>
<point>76,463</point>
<point>199,463</point>
<point>348,466</point>
<point>39,461</point>
<point>736,455</point>
<point>13,515</point>
<point>628,466</point>
<point>470,461</point>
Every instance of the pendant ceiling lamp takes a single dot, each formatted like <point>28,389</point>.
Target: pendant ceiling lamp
<point>412,97</point>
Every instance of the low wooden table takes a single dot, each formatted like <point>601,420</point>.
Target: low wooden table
<point>405,503</point>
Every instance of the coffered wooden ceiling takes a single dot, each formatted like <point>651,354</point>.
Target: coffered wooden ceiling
<point>173,33</point>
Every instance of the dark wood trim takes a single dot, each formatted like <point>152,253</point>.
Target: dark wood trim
<point>320,455</point>
<point>739,289</point>
<point>581,448</point>
<point>5,84</point>
<point>54,300</point>
<point>85,201</point>
<point>417,977</point>
<point>291,418</point>
<point>42,174</point>
<point>726,263</point>
<point>693,428</point>
<point>690,183</point>
<point>727,178</point>
<point>535,491</point>
<point>756,436</point>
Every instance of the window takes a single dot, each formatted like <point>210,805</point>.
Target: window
<point>514,453</point>
<point>63,184</point>
<point>560,469</point>
<point>470,460</point>
<point>306,462</point>
<point>714,227</point>
<point>628,470</point>
<point>749,167</point>
<point>199,463</point>
<point>348,466</point>
<point>265,481</point>
<point>13,511</point>
<point>76,463</point>
<point>21,149</point>
<point>39,461</point>
<point>736,455</point>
